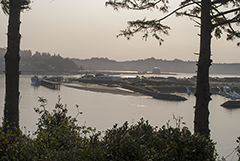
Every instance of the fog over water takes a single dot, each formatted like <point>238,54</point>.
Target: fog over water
<point>103,110</point>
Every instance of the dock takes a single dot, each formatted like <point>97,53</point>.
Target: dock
<point>50,84</point>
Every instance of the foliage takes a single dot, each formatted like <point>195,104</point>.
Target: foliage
<point>54,63</point>
<point>57,132</point>
<point>238,148</point>
<point>144,142</point>
<point>25,5</point>
<point>225,17</point>
<point>58,137</point>
<point>211,16</point>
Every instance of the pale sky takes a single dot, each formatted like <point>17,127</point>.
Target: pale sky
<point>86,28</point>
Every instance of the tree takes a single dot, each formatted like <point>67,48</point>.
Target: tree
<point>12,58</point>
<point>212,16</point>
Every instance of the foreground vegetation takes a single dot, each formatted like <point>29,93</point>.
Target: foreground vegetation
<point>58,137</point>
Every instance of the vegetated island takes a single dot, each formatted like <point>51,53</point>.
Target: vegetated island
<point>157,87</point>
<point>130,86</point>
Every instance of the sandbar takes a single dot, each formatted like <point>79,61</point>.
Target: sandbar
<point>101,88</point>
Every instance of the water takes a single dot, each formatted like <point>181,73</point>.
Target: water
<point>103,110</point>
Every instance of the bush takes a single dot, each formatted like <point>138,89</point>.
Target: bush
<point>144,142</point>
<point>238,148</point>
<point>58,137</point>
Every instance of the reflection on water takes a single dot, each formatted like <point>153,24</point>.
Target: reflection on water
<point>35,85</point>
<point>103,110</point>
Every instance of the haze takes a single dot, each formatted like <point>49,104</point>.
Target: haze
<point>85,29</point>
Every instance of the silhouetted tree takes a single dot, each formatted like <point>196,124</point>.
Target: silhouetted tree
<point>54,63</point>
<point>212,16</point>
<point>12,58</point>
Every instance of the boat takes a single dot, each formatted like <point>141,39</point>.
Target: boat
<point>220,92</point>
<point>35,80</point>
<point>227,92</point>
<point>235,96</point>
<point>188,91</point>
<point>231,104</point>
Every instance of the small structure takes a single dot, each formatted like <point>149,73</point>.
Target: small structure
<point>35,80</point>
<point>50,84</point>
<point>231,104</point>
<point>156,70</point>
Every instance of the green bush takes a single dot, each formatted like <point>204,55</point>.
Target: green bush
<point>58,137</point>
<point>144,142</point>
<point>238,148</point>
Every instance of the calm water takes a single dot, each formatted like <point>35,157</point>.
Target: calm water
<point>103,110</point>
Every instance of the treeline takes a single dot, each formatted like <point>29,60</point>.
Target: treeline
<point>52,63</point>
<point>148,64</point>
<point>43,62</point>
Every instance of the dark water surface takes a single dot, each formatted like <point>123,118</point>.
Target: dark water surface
<point>103,110</point>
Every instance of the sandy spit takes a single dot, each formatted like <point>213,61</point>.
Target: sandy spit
<point>101,88</point>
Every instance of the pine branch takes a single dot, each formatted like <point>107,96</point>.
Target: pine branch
<point>175,11</point>
<point>137,5</point>
<point>152,27</point>
<point>226,2</point>
<point>25,5</point>
<point>220,2</point>
<point>199,24</point>
<point>226,12</point>
<point>5,6</point>
<point>188,14</point>
<point>226,21</point>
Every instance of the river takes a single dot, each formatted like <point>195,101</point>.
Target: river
<point>103,110</point>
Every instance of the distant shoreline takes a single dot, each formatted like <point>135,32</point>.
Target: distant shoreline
<point>109,72</point>
<point>43,73</point>
<point>93,72</point>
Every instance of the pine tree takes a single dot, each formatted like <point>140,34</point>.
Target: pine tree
<point>12,8</point>
<point>212,16</point>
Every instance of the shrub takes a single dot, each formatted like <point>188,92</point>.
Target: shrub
<point>144,142</point>
<point>19,148</point>
<point>238,148</point>
<point>58,137</point>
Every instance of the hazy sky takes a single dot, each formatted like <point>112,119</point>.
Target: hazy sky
<point>86,28</point>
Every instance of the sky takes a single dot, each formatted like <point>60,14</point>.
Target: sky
<point>87,28</point>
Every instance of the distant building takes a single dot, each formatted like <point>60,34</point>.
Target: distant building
<point>156,70</point>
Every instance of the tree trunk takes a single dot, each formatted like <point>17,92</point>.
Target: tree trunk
<point>203,96</point>
<point>12,58</point>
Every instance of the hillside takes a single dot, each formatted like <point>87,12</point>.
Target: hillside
<point>41,63</point>
<point>148,64</point>
<point>47,62</point>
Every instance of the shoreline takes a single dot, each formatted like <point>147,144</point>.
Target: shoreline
<point>102,89</point>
